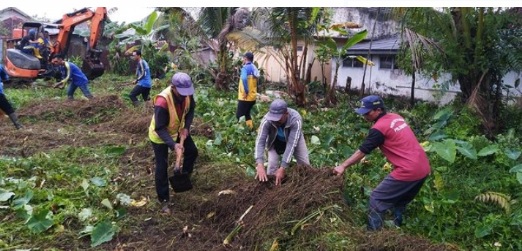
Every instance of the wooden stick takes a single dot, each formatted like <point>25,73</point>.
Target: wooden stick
<point>178,155</point>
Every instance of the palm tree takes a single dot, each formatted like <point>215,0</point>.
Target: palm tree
<point>469,39</point>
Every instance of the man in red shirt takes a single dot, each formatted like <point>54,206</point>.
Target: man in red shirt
<point>411,166</point>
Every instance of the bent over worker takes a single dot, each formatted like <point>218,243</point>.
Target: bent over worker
<point>71,73</point>
<point>281,133</point>
<point>411,166</point>
<point>173,114</point>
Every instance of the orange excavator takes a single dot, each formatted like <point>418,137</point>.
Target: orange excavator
<point>23,65</point>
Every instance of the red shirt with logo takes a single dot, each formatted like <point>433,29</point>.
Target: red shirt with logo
<point>402,149</point>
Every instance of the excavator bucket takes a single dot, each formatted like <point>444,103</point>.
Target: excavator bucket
<point>92,66</point>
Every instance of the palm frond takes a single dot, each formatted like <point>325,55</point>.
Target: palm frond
<point>501,199</point>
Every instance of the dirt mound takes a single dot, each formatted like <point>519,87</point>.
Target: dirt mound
<point>92,111</point>
<point>264,212</point>
<point>259,216</point>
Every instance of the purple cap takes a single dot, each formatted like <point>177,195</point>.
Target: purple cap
<point>183,84</point>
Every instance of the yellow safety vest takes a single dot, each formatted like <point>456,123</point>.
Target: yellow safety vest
<point>175,124</point>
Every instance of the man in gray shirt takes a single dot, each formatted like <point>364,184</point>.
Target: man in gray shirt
<point>281,133</point>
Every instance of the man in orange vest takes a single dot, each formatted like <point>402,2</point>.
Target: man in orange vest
<point>173,115</point>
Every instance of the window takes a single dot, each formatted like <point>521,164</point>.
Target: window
<point>299,48</point>
<point>351,61</point>
<point>387,62</point>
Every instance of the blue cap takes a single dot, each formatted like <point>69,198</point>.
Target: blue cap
<point>249,56</point>
<point>369,103</point>
<point>278,107</point>
<point>183,84</point>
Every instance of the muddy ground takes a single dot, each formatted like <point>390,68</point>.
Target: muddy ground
<point>223,198</point>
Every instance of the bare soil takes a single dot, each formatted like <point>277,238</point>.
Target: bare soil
<point>223,198</point>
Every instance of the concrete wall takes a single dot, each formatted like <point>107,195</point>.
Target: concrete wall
<point>394,81</point>
<point>367,18</point>
<point>275,68</point>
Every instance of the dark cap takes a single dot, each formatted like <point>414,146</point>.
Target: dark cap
<point>183,84</point>
<point>249,56</point>
<point>369,103</point>
<point>278,107</point>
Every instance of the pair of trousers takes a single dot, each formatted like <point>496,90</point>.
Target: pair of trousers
<point>84,88</point>
<point>300,155</point>
<point>161,155</point>
<point>137,90</point>
<point>244,108</point>
<point>391,194</point>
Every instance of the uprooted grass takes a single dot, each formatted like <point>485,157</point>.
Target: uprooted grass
<point>307,212</point>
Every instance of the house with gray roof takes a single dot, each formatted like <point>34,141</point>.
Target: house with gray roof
<point>385,77</point>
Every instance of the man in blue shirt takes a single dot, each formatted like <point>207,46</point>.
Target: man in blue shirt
<point>71,73</point>
<point>5,106</point>
<point>143,80</point>
<point>247,89</point>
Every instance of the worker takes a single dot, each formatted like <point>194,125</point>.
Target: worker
<point>392,135</point>
<point>143,80</point>
<point>173,114</point>
<point>26,44</point>
<point>71,73</point>
<point>281,133</point>
<point>5,106</point>
<point>247,89</point>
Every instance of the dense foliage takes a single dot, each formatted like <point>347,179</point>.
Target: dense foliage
<point>469,200</point>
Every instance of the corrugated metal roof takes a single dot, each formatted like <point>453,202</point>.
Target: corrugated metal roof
<point>382,46</point>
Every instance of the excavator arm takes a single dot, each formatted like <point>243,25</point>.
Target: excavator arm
<point>92,65</point>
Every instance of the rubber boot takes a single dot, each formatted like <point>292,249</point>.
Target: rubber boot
<point>375,221</point>
<point>14,118</point>
<point>397,213</point>
<point>250,124</point>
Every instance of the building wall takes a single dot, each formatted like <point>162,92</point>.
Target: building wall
<point>396,82</point>
<point>367,18</point>
<point>275,68</point>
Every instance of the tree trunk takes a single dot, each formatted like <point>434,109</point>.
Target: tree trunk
<point>331,98</point>
<point>222,76</point>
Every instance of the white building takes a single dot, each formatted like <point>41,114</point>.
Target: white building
<point>385,77</point>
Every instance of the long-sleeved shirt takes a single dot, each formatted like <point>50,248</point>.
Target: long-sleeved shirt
<point>293,130</point>
<point>161,114</point>
<point>143,77</point>
<point>71,72</point>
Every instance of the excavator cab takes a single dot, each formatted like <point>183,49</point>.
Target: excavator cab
<point>28,62</point>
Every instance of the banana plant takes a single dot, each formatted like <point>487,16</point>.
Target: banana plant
<point>329,46</point>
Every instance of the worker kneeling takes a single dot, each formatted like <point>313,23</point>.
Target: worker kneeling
<point>281,133</point>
